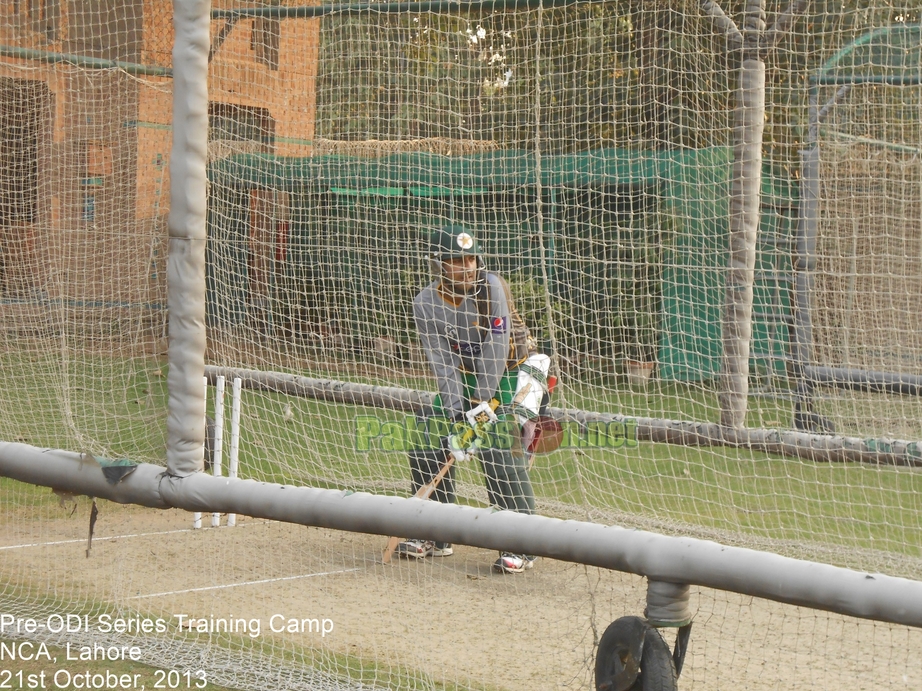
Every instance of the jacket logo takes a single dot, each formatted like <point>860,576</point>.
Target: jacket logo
<point>467,349</point>
<point>498,324</point>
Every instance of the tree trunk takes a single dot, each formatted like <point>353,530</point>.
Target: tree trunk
<point>745,199</point>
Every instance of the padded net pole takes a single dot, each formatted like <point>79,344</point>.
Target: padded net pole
<point>186,263</point>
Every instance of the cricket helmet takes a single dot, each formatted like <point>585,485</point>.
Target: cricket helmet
<point>449,242</point>
<point>452,241</point>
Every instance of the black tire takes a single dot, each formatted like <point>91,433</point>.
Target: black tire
<point>633,656</point>
<point>657,670</point>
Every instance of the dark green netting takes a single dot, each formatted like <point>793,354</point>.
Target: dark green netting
<point>633,245</point>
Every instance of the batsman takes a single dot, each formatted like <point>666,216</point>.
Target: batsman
<point>492,384</point>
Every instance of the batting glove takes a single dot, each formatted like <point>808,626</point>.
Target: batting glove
<point>483,413</point>
<point>464,445</point>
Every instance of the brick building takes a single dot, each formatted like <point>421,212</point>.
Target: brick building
<point>84,149</point>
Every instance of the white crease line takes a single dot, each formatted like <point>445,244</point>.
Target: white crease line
<point>119,537</point>
<point>237,585</point>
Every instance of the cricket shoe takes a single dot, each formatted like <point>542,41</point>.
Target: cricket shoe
<point>419,549</point>
<point>442,549</point>
<point>513,563</point>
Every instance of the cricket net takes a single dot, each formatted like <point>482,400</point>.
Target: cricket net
<point>590,147</point>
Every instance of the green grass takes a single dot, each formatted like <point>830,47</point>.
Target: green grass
<point>847,505</point>
<point>121,406</point>
<point>102,405</point>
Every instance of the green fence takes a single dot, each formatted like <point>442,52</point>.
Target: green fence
<point>630,245</point>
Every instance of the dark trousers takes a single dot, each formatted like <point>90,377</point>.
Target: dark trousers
<point>505,475</point>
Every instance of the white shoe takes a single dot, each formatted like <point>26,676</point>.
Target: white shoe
<point>513,563</point>
<point>415,549</point>
<point>442,549</point>
<point>419,549</point>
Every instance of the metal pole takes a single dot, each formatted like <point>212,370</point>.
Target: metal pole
<point>805,266</point>
<point>805,257</point>
<point>280,12</point>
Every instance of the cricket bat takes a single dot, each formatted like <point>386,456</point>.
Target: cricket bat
<point>423,492</point>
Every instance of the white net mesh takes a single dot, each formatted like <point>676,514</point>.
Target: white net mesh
<point>589,149</point>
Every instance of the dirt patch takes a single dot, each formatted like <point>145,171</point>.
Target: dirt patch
<point>448,620</point>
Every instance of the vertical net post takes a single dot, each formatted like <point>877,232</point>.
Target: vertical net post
<point>186,261</point>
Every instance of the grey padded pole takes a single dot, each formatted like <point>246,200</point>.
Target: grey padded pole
<point>186,261</point>
<point>659,558</point>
